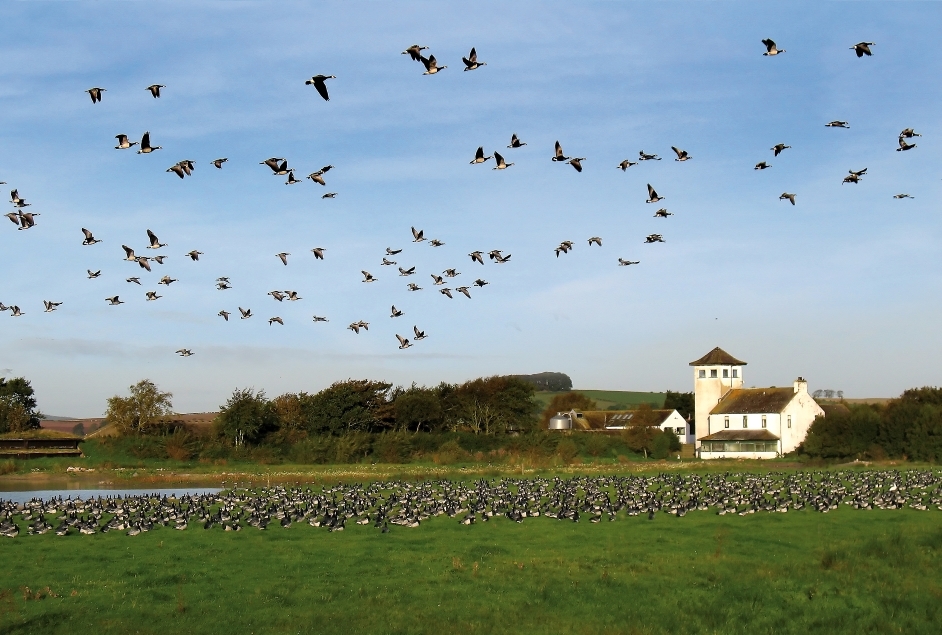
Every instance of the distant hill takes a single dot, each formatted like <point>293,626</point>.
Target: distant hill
<point>548,380</point>
<point>609,399</point>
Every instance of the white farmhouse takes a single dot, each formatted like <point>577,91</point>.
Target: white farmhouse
<point>750,423</point>
<point>670,420</point>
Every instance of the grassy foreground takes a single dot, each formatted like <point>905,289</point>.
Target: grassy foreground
<point>847,571</point>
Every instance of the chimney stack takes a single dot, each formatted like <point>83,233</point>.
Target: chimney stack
<point>801,385</point>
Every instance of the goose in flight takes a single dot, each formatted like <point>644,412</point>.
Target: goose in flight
<point>392,252</point>
<point>14,218</point>
<point>903,145</point>
<point>284,257</point>
<point>277,295</point>
<point>367,277</point>
<point>501,163</point>
<point>477,256</point>
<point>50,306</point>
<point>330,195</point>
<point>406,272</point>
<point>386,262</point>
<point>224,315</point>
<point>394,312</point>
<point>413,287</point>
<point>786,195</point>
<point>909,133</point>
<point>222,286</point>
<point>624,165</point>
<point>762,165</point>
<point>778,147</point>
<point>451,273</point>
<point>27,220</point>
<point>194,255</point>
<point>415,52</point>
<point>431,65</point>
<point>142,262</point>
<point>471,61</point>
<point>146,147</point>
<point>89,238</point>
<point>317,177</point>
<point>652,195</point>
<point>901,196</point>
<point>276,164</point>
<point>152,295</point>
<point>114,301</point>
<point>272,320</point>
<point>515,141</point>
<point>95,94</point>
<point>479,156</point>
<point>662,213</point>
<point>853,177</point>
<point>155,90</point>
<point>93,274</point>
<point>446,291</point>
<point>246,313</point>
<point>318,82</point>
<point>291,180</point>
<point>184,352</point>
<point>318,252</point>
<point>681,154</point>
<point>130,257</point>
<point>177,169</point>
<point>154,242</point>
<point>642,156</point>
<point>770,48</point>
<point>576,162</point>
<point>403,342</point>
<point>419,335</point>
<point>318,318</point>
<point>654,238</point>
<point>15,311</point>
<point>595,239</point>
<point>292,296</point>
<point>437,280</point>
<point>624,263</point>
<point>123,143</point>
<point>356,326</point>
<point>167,281</point>
<point>559,156</point>
<point>223,279</point>
<point>418,235</point>
<point>837,124</point>
<point>858,173</point>
<point>17,200</point>
<point>435,242</point>
<point>862,48</point>
<point>218,162</point>
<point>502,259</point>
<point>464,290</point>
<point>159,259</point>
<point>480,283</point>
<point>134,279</point>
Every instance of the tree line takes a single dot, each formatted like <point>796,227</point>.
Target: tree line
<point>18,411</point>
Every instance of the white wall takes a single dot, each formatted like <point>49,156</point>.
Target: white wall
<point>708,392</point>
<point>674,422</point>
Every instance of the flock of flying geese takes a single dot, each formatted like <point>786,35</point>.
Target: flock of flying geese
<point>384,503</point>
<point>25,220</point>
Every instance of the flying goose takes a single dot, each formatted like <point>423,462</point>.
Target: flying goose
<point>431,65</point>
<point>284,257</point>
<point>367,277</point>
<point>155,90</point>
<point>292,296</point>
<point>356,326</point>
<point>50,306</point>
<point>415,52</point>
<point>437,280</point>
<point>770,48</point>
<point>394,312</point>
<point>146,147</point>
<point>317,177</point>
<point>471,61</point>
<point>152,295</point>
<point>762,165</point>
<point>330,195</point>
<point>222,286</point>
<point>194,255</point>
<point>662,213</point>
<point>904,146</point>
<point>419,335</point>
<point>318,252</point>
<point>851,178</point>
<point>114,301</point>
<point>624,165</point>
<point>909,133</point>
<point>17,200</point>
<point>223,279</point>
<point>403,342</point>
<point>652,195</point>
<point>515,141</point>
<point>464,290</point>
<point>386,262</point>
<point>418,235</point>
<point>642,156</point>
<point>135,280</point>
<point>406,272</point>
<point>901,196</point>
<point>435,242</point>
<point>837,124</point>
<point>595,239</point>
<point>501,164</point>
<point>778,147</point>
<point>624,263</point>
<point>224,315</point>
<point>576,162</point>
<point>477,256</point>
<point>413,287</point>
<point>786,195</point>
<point>218,162</point>
<point>446,291</point>
<point>142,262</point>
<point>681,154</point>
<point>272,320</point>
<point>392,252</point>
<point>275,163</point>
<point>654,238</point>
<point>14,218</point>
<point>862,48</point>
<point>277,295</point>
<point>451,273</point>
<point>318,82</point>
<point>89,238</point>
<point>154,242</point>
<point>318,318</point>
<point>177,169</point>
<point>95,94</point>
<point>291,180</point>
<point>123,143</point>
<point>479,156</point>
<point>858,172</point>
<point>502,259</point>
<point>15,311</point>
<point>93,274</point>
<point>480,283</point>
<point>167,281</point>
<point>246,313</point>
<point>184,352</point>
<point>559,156</point>
<point>27,219</point>
<point>130,257</point>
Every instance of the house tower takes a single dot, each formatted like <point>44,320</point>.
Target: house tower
<point>714,375</point>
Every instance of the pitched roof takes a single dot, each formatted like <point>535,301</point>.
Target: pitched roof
<point>741,435</point>
<point>718,357</point>
<point>740,401</point>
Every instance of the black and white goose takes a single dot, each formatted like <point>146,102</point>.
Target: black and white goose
<point>218,162</point>
<point>431,65</point>
<point>787,196</point>
<point>837,124</point>
<point>123,142</point>
<point>662,213</point>
<point>909,133</point>
<point>770,48</point>
<point>224,315</point>
<point>246,313</point>
<point>152,295</point>
<point>653,196</point>
<point>624,165</point>
<point>406,272</point>
<point>479,156</point>
<point>477,256</point>
<point>318,252</point>
<point>681,154</point>
<point>624,263</point>
<point>155,90</point>
<point>903,145</point>
<point>471,61</point>
<point>113,301</point>
<point>418,235</point>
<point>419,335</point>
<point>415,52</point>
<point>559,156</point>
<point>515,141</point>
<point>273,320</point>
<point>283,256</point>
<point>318,82</point>
<point>154,241</point>
<point>367,277</point>
<point>146,147</point>
<point>89,238</point>
<point>778,147</point>
<point>93,274</point>
<point>643,156</point>
<point>95,94</point>
<point>862,48</point>
<point>403,342</point>
<point>501,163</point>
<point>394,312</point>
<point>50,306</point>
<point>576,162</point>
<point>194,255</point>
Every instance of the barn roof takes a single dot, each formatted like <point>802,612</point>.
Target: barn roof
<point>740,401</point>
<point>718,357</point>
<point>741,435</point>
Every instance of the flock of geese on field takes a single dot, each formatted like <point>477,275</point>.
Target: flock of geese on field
<point>407,504</point>
<point>25,220</point>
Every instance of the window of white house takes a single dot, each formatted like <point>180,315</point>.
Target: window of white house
<point>725,373</point>
<point>735,373</point>
<point>745,421</point>
<point>789,421</point>
<point>702,374</point>
<point>725,422</point>
<point>763,421</point>
<point>713,373</point>
<point>679,431</point>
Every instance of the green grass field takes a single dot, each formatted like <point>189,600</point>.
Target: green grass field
<point>802,572</point>
<point>624,399</point>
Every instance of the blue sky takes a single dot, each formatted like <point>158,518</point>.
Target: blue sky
<point>843,288</point>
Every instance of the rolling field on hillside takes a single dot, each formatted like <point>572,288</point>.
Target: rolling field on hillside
<point>623,399</point>
<point>801,572</point>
